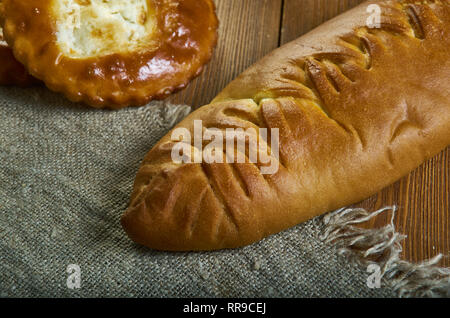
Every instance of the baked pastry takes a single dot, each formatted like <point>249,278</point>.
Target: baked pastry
<point>356,109</point>
<point>112,53</point>
<point>11,71</point>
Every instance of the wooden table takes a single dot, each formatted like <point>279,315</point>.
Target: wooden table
<point>249,29</point>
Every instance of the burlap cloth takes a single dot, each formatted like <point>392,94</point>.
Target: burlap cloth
<point>66,174</point>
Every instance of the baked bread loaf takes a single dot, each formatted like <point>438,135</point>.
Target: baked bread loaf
<point>356,107</point>
<point>11,71</point>
<point>114,53</point>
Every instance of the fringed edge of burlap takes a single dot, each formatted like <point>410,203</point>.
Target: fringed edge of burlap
<point>381,247</point>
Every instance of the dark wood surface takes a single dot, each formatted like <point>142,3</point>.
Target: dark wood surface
<point>249,29</point>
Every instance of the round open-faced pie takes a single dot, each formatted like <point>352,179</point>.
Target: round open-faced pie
<point>11,71</point>
<point>112,53</point>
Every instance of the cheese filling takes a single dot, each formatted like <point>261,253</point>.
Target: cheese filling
<point>89,28</point>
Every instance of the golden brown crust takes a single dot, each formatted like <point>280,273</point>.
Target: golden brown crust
<point>357,108</point>
<point>11,71</point>
<point>185,43</point>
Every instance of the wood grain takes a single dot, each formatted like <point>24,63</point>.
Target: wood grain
<point>249,29</point>
<point>301,16</point>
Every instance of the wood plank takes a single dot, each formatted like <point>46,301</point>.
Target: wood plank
<point>249,29</point>
<point>422,196</point>
<point>301,16</point>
